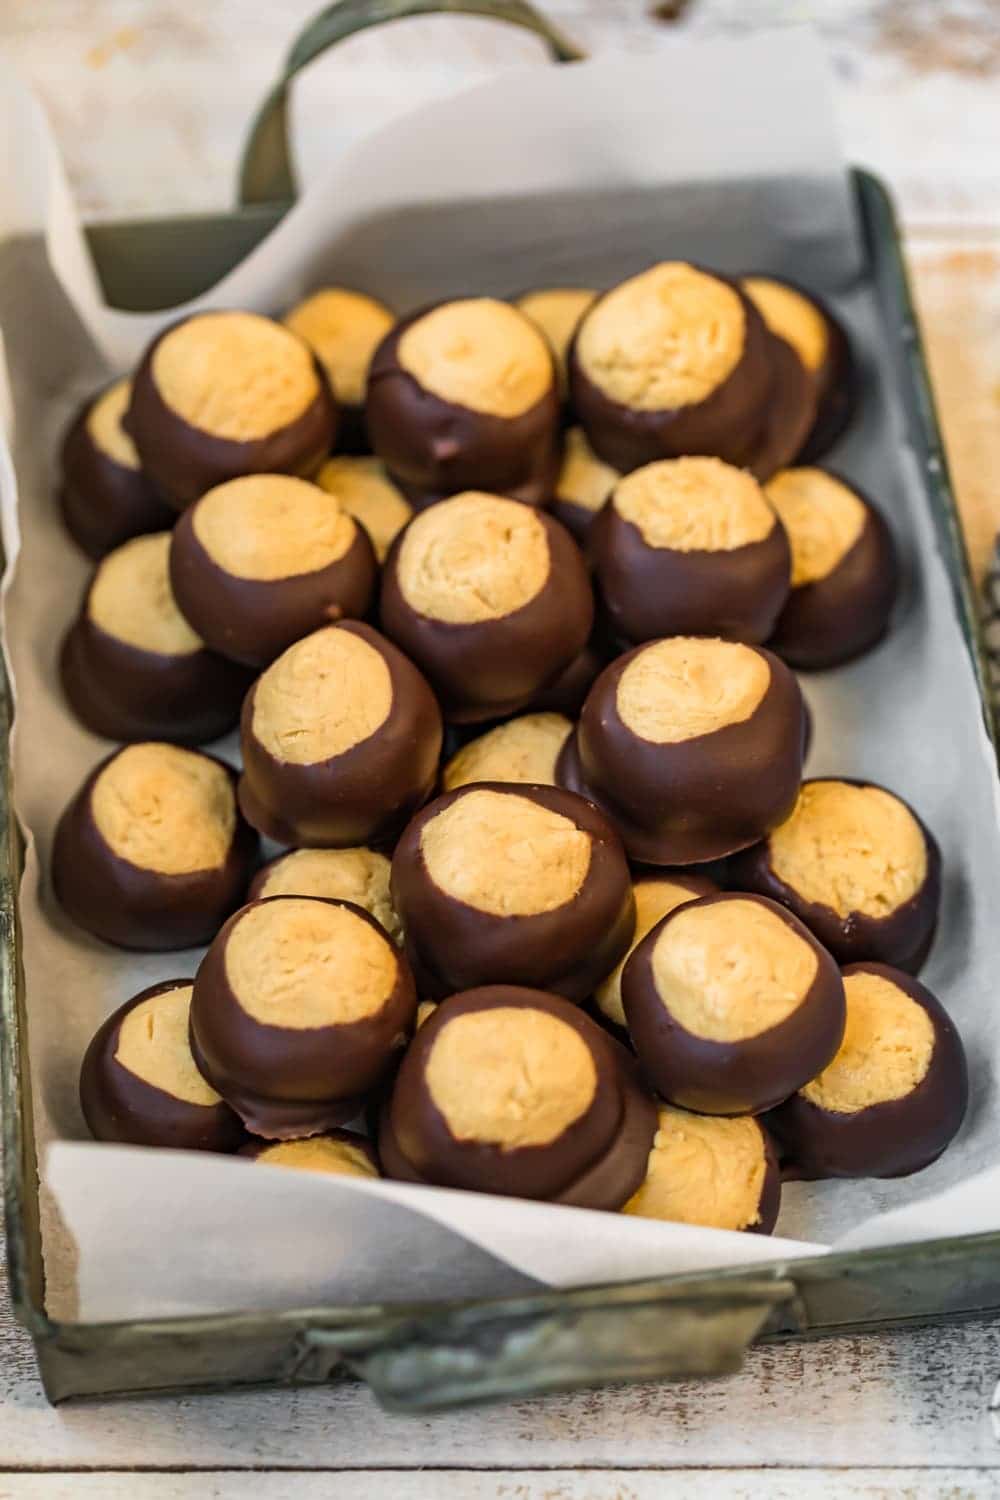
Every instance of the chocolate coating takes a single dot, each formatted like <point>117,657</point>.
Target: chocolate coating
<point>743,1077</point>
<point>103,502</point>
<point>487,669</point>
<point>903,938</point>
<point>252,620</point>
<point>727,423</point>
<point>568,692</point>
<point>835,381</point>
<point>434,448</point>
<point>119,1106</point>
<point>283,1081</point>
<point>790,414</point>
<point>896,1136</point>
<point>364,795</point>
<point>455,946</point>
<point>839,617</point>
<point>597,1162</point>
<point>185,461</point>
<point>132,906</point>
<point>734,593</point>
<point>123,691</point>
<point>698,799</point>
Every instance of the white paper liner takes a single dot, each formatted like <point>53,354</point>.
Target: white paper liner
<point>583,173</point>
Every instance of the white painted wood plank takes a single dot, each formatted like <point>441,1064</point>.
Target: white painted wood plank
<point>918,1397</point>
<point>150,99</point>
<point>588,1484</point>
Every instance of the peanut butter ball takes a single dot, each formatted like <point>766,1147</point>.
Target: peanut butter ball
<point>556,311</point>
<point>299,1010</point>
<point>819,340</point>
<point>516,884</point>
<point>131,666</point>
<point>152,852</point>
<point>360,876</point>
<point>221,394</point>
<point>104,496</point>
<point>655,897</point>
<point>693,747</point>
<point>690,546</point>
<point>464,395</point>
<point>708,1170</point>
<point>139,1085</point>
<point>894,1095</point>
<point>844,574</point>
<point>343,328</point>
<point>260,562</point>
<point>583,485</point>
<point>857,866</point>
<point>341,738</point>
<point>522,749</point>
<point>338,1153</point>
<point>491,599</point>
<point>732,1005</point>
<point>670,362</point>
<point>365,491</point>
<point>510,1090</point>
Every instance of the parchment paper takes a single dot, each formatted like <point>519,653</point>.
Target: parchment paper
<point>725,152</point>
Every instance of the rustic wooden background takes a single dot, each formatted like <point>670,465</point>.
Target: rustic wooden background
<point>150,99</point>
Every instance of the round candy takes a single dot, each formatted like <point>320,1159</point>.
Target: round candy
<point>152,852</point>
<point>260,562</point>
<point>139,1085</point>
<point>895,1094</point>
<point>706,1170</point>
<point>366,492</point>
<point>732,1005</point>
<point>844,573</point>
<point>655,897</point>
<point>858,867</point>
<point>556,311</point>
<point>104,496</point>
<point>299,1009</point>
<point>360,876</point>
<point>790,414</point>
<point>819,340</point>
<point>690,546</point>
<point>490,598</point>
<point>512,884</point>
<point>341,738</point>
<point>462,396</point>
<point>692,747</point>
<point>131,666</point>
<point>856,864</point>
<point>510,1090</point>
<point>338,1153</point>
<point>524,749</point>
<point>221,394</point>
<point>583,485</point>
<point>673,361</point>
<point>343,328</point>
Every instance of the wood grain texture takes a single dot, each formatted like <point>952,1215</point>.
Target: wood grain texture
<point>957,290</point>
<point>150,100</point>
<point>151,111</point>
<point>523,1484</point>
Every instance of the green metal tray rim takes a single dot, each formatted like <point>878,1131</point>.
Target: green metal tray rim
<point>879,217</point>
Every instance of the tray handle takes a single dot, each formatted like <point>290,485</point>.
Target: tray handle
<point>526,1347</point>
<point>266,173</point>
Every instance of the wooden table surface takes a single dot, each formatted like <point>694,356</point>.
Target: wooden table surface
<point>150,99</point>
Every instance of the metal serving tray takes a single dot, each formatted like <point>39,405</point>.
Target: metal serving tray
<point>430,1357</point>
